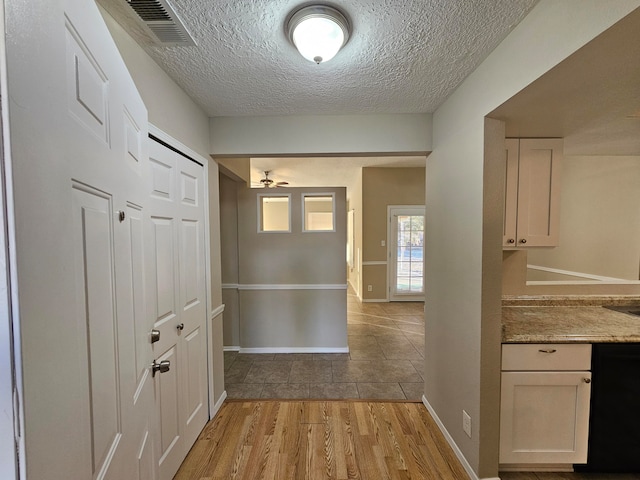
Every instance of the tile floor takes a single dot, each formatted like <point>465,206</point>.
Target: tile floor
<point>385,361</point>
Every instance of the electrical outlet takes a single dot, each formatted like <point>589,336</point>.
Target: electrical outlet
<point>369,288</point>
<point>466,423</point>
<point>383,243</point>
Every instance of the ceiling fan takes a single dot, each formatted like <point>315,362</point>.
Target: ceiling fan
<point>267,182</point>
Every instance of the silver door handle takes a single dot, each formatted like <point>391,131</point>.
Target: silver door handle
<point>180,326</point>
<point>161,367</point>
<point>155,335</point>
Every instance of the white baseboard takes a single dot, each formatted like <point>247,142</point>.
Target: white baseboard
<point>231,348</point>
<point>376,300</point>
<point>295,350</point>
<point>218,404</point>
<point>452,443</point>
<point>536,467</point>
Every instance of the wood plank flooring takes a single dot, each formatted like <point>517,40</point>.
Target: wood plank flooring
<point>318,440</point>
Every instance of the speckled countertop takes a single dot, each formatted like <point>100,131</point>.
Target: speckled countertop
<point>570,319</point>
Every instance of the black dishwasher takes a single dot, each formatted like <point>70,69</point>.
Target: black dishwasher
<point>614,422</point>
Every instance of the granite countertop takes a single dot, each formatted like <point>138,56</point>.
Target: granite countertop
<point>571,319</point>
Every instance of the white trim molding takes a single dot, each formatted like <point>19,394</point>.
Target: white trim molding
<point>465,464</point>
<point>374,300</point>
<point>295,350</point>
<point>218,404</point>
<point>231,348</point>
<point>217,311</point>
<point>266,286</point>
<point>589,278</point>
<point>374,262</point>
<point>230,286</point>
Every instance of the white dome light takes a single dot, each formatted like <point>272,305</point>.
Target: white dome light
<point>318,32</point>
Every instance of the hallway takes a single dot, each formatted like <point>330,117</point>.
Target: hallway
<point>385,361</point>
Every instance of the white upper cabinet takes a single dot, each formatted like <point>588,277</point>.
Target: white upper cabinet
<point>532,192</point>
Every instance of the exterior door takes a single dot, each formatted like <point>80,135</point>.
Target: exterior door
<point>406,248</point>
<point>78,163</point>
<point>176,273</point>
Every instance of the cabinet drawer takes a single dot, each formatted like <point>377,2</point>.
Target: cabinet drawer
<point>546,356</point>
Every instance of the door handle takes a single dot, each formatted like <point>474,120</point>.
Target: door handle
<point>180,327</point>
<point>161,367</point>
<point>155,335</point>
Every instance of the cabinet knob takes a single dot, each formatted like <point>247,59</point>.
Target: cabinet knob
<point>586,380</point>
<point>511,240</point>
<point>523,240</point>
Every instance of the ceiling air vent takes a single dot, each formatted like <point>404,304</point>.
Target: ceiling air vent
<point>163,22</point>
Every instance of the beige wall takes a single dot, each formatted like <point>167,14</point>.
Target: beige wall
<point>355,203</point>
<point>321,134</point>
<point>382,187</point>
<point>236,168</point>
<point>599,218</point>
<point>599,231</point>
<point>461,352</point>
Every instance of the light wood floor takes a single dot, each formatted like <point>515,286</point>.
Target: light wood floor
<point>321,440</point>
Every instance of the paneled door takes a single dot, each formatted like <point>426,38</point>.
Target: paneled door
<point>406,248</point>
<point>177,295</point>
<point>78,130</point>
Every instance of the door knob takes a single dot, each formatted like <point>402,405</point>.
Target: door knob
<point>155,335</point>
<point>161,367</point>
<point>180,326</point>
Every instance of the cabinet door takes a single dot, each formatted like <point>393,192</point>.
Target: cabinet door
<point>544,417</point>
<point>510,193</point>
<point>539,192</point>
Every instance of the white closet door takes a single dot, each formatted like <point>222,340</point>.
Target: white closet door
<point>78,133</point>
<point>176,272</point>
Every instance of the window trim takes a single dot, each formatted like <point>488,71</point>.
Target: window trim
<point>259,197</point>
<point>304,211</point>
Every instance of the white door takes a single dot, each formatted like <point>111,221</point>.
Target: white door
<point>176,273</point>
<point>78,133</point>
<point>406,250</point>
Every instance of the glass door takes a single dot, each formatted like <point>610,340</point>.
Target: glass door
<point>406,252</point>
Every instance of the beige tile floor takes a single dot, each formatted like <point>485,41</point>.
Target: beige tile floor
<point>385,361</point>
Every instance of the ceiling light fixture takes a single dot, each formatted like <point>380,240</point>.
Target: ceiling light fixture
<point>318,32</point>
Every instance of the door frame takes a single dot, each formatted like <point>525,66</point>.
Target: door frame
<point>11,442</point>
<point>391,258</point>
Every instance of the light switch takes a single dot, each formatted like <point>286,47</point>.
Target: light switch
<point>383,243</point>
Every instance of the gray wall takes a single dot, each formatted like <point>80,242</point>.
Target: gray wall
<point>461,353</point>
<point>229,254</point>
<point>306,315</point>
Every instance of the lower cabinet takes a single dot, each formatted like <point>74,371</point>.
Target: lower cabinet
<point>544,415</point>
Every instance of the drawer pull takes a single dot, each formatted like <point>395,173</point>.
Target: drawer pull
<point>547,350</point>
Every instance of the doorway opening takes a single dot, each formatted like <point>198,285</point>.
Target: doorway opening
<point>406,253</point>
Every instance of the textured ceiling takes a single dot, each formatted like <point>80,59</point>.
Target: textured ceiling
<point>404,56</point>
